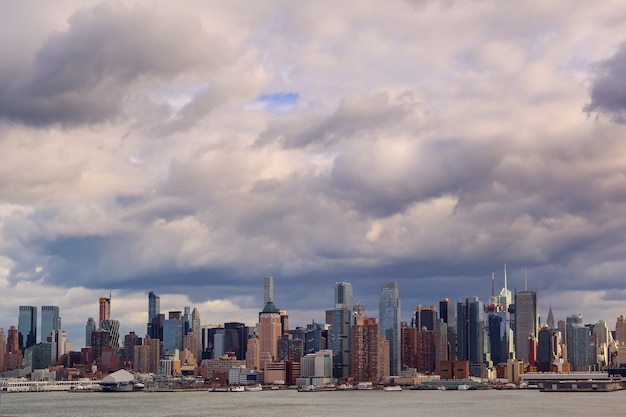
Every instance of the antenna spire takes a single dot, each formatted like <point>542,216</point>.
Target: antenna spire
<point>492,285</point>
<point>505,285</point>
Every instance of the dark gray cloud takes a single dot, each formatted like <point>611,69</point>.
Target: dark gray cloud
<point>608,89</point>
<point>90,72</point>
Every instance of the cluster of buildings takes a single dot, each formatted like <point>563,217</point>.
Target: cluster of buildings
<point>497,339</point>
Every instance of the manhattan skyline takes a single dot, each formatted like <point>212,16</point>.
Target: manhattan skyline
<point>190,149</point>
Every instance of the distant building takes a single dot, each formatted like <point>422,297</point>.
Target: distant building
<point>3,349</point>
<point>269,331</point>
<point>27,327</point>
<point>366,351</point>
<point>268,290</point>
<point>154,309</point>
<point>471,334</point>
<point>50,320</point>
<point>526,322</point>
<point>113,327</point>
<point>342,319</point>
<point>90,327</point>
<point>620,330</point>
<point>389,316</point>
<point>104,309</point>
<point>130,341</point>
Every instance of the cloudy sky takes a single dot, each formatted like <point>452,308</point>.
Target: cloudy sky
<point>191,148</point>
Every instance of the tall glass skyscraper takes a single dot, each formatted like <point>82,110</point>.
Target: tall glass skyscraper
<point>526,322</point>
<point>50,321</point>
<point>154,309</point>
<point>27,327</point>
<point>89,328</point>
<point>340,330</point>
<point>389,316</point>
<point>471,334</point>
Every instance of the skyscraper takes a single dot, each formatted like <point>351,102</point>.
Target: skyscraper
<point>269,332</point>
<point>471,329</point>
<point>620,330</point>
<point>579,346</point>
<point>196,328</point>
<point>27,327</point>
<point>526,322</point>
<point>3,348</point>
<point>389,316</point>
<point>340,330</point>
<point>113,328</point>
<point>154,309</point>
<point>50,321</point>
<point>105,309</point>
<point>268,290</point>
<point>90,327</point>
<point>447,313</point>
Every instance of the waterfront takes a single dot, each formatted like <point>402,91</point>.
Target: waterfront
<point>292,403</point>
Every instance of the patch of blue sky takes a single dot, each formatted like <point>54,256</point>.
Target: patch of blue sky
<point>281,102</point>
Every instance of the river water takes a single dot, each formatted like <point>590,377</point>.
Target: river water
<point>332,404</point>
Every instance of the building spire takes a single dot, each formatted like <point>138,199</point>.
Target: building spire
<point>505,285</point>
<point>493,288</point>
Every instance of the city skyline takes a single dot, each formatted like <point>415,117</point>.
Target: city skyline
<point>153,147</point>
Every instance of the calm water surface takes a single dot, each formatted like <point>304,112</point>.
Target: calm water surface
<point>293,403</point>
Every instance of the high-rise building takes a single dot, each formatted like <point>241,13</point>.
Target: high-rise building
<point>470,330</point>
<point>268,290</point>
<point>316,338</point>
<point>342,318</point>
<point>620,330</point>
<point>27,327</point>
<point>501,346</point>
<point>579,346</point>
<point>130,341</point>
<point>58,340</point>
<point>239,341</point>
<point>526,322</point>
<point>13,340</point>
<point>154,309</point>
<point>408,350</point>
<point>196,328</point>
<point>424,316</point>
<point>3,348</point>
<point>90,327</point>
<point>173,332</point>
<point>105,309</point>
<point>602,342</point>
<point>447,313</point>
<point>389,316</point>
<point>366,360</point>
<point>269,332</point>
<point>113,328</point>
<point>50,321</point>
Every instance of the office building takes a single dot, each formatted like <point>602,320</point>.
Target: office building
<point>113,328</point>
<point>3,348</point>
<point>389,316</point>
<point>196,328</point>
<point>268,290</point>
<point>89,327</point>
<point>58,340</point>
<point>424,317</point>
<point>579,346</point>
<point>154,309</point>
<point>526,322</point>
<point>620,330</point>
<point>50,320</point>
<point>342,318</point>
<point>173,332</point>
<point>269,332</point>
<point>27,327</point>
<point>471,334</point>
<point>447,313</point>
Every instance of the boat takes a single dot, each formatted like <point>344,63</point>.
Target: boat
<point>119,381</point>
<point>393,388</point>
<point>345,387</point>
<point>220,389</point>
<point>364,386</point>
<point>463,387</point>
<point>254,388</point>
<point>237,388</point>
<point>309,388</point>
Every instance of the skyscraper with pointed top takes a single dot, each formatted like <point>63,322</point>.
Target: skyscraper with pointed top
<point>526,321</point>
<point>499,322</point>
